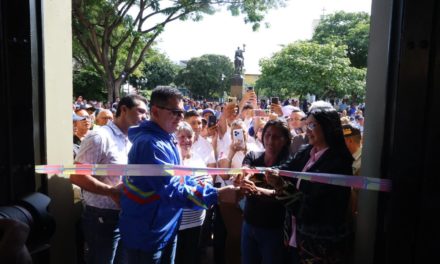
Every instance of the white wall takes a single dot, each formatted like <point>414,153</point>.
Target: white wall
<point>57,52</point>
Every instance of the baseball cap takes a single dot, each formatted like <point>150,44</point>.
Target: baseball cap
<point>208,110</point>
<point>76,117</point>
<point>350,130</point>
<point>87,107</point>
<point>288,109</point>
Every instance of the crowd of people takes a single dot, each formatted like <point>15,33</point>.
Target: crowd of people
<point>249,218</point>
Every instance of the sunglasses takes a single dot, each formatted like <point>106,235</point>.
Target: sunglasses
<point>175,112</point>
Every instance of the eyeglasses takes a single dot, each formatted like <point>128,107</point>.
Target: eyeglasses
<point>175,112</point>
<point>311,126</point>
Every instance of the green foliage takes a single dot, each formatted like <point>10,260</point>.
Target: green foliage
<point>350,29</point>
<point>159,70</point>
<point>207,76</point>
<point>116,44</point>
<point>303,68</point>
<point>254,10</point>
<point>88,84</point>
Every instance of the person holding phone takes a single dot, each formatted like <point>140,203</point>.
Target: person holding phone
<point>249,98</point>
<point>263,237</point>
<point>275,106</point>
<point>200,144</point>
<point>231,213</point>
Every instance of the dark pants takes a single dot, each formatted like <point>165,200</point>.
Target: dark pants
<point>262,245</point>
<point>188,247</point>
<point>162,256</point>
<point>219,237</point>
<point>102,237</point>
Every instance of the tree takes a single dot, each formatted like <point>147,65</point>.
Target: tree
<point>350,29</point>
<point>159,70</point>
<point>303,68</point>
<point>116,43</point>
<point>88,84</point>
<point>207,76</point>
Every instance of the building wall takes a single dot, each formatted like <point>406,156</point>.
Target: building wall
<point>57,54</point>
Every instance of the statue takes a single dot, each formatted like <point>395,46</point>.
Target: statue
<point>239,60</point>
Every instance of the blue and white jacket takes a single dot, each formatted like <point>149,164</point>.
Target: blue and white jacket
<point>151,207</point>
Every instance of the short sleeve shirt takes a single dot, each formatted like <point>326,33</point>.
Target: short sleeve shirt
<point>204,149</point>
<point>107,145</point>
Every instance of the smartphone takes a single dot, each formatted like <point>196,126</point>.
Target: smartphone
<point>212,121</point>
<point>250,88</point>
<point>238,136</point>
<point>232,99</point>
<point>275,100</point>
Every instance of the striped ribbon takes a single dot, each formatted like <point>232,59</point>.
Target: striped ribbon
<point>358,182</point>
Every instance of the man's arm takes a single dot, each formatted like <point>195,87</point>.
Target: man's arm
<point>90,152</point>
<point>248,96</point>
<point>93,185</point>
<point>181,191</point>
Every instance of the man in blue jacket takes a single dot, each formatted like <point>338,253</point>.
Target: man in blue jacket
<point>152,206</point>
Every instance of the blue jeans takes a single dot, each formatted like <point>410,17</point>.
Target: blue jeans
<point>163,256</point>
<point>262,245</point>
<point>101,234</point>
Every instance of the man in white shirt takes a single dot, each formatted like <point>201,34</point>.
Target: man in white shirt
<point>108,145</point>
<point>201,146</point>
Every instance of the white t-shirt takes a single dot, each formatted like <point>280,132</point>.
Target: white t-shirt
<point>192,218</point>
<point>223,145</point>
<point>204,149</point>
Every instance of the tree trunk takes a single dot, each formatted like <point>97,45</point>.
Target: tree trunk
<point>113,88</point>
<point>110,90</point>
<point>117,87</point>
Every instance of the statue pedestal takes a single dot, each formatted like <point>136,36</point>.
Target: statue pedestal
<point>237,88</point>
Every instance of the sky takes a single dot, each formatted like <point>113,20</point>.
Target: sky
<point>222,33</point>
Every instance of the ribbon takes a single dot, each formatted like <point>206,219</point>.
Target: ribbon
<point>358,182</point>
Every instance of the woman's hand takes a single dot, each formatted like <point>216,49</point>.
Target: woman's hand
<point>273,178</point>
<point>236,147</point>
<point>230,111</point>
<point>248,187</point>
<point>238,179</point>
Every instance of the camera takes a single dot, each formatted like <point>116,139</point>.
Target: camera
<point>32,211</point>
<point>212,121</point>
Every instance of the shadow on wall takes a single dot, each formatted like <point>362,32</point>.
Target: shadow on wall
<point>66,211</point>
